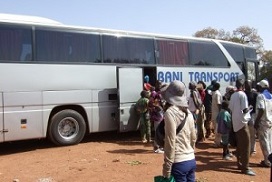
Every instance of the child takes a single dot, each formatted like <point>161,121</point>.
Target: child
<point>142,108</point>
<point>156,114</point>
<point>224,126</point>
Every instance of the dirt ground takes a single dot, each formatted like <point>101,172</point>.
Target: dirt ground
<point>111,157</point>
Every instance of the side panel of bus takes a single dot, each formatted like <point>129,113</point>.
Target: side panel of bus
<point>23,115</point>
<point>130,84</point>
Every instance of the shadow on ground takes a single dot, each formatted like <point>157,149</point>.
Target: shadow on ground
<point>128,138</point>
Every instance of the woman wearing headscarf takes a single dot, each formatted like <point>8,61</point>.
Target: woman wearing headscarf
<point>179,157</point>
<point>147,85</point>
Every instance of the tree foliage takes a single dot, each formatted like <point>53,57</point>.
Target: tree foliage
<point>243,35</point>
<point>213,33</point>
<point>249,36</point>
<point>266,70</point>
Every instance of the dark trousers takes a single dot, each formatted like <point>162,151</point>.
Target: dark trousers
<point>243,148</point>
<point>208,124</point>
<point>184,171</point>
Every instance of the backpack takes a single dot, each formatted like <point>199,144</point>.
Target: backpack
<point>142,105</point>
<point>160,132</point>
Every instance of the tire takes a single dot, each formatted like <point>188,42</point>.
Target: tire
<point>67,127</point>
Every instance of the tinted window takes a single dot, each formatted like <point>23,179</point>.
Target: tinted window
<point>128,50</point>
<point>250,53</point>
<point>67,47</point>
<point>204,53</point>
<point>15,44</point>
<point>170,52</point>
<point>236,51</point>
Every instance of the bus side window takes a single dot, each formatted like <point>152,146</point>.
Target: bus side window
<point>13,41</point>
<point>203,53</point>
<point>172,52</point>
<point>26,54</point>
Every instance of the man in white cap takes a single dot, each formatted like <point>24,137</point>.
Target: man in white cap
<point>263,121</point>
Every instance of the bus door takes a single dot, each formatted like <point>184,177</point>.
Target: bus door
<point>130,85</point>
<point>252,70</point>
<point>2,132</point>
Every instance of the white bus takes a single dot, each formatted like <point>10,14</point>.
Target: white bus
<point>63,82</point>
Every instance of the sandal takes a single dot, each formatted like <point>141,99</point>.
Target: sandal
<point>264,164</point>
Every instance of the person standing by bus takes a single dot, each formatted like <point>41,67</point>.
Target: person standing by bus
<point>224,127</point>
<point>195,106</point>
<point>238,106</point>
<point>208,109</point>
<point>263,121</point>
<point>179,156</point>
<point>156,115</point>
<point>201,86</point>
<point>142,108</point>
<point>194,100</point>
<point>251,97</point>
<point>147,85</point>
<point>217,99</point>
<point>229,91</point>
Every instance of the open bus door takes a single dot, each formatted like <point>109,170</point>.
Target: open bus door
<point>130,85</point>
<point>2,132</point>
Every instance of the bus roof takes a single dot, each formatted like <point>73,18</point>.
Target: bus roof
<point>11,18</point>
<point>36,20</point>
<point>235,43</point>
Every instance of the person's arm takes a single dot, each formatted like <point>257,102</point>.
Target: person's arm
<point>247,109</point>
<point>169,145</point>
<point>192,129</point>
<point>260,108</point>
<point>244,104</point>
<point>258,118</point>
<point>219,101</point>
<point>195,98</point>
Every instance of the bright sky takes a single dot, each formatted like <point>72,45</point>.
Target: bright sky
<point>175,17</point>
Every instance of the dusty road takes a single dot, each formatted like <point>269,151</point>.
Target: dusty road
<point>110,157</point>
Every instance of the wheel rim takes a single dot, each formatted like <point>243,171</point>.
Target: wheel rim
<point>68,128</point>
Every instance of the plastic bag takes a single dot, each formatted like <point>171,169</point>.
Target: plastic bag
<point>163,179</point>
<point>247,116</point>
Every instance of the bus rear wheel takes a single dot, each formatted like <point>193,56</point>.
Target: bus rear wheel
<point>67,127</point>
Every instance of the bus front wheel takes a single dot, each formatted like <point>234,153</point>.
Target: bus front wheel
<point>67,127</point>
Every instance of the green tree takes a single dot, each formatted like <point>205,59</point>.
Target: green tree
<point>266,69</point>
<point>213,33</point>
<point>243,35</point>
<point>249,36</point>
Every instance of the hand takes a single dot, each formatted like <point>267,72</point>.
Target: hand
<point>166,175</point>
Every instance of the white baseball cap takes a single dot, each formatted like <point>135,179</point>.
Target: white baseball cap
<point>263,83</point>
